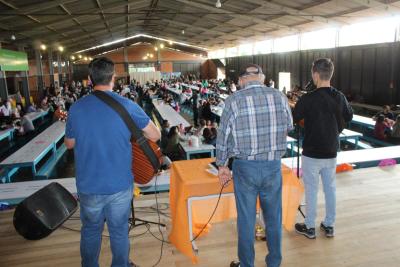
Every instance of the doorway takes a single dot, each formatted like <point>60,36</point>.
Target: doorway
<point>284,82</point>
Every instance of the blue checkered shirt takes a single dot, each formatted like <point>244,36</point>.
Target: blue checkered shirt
<point>254,125</point>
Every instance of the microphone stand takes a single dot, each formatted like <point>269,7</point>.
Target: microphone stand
<point>136,222</point>
<point>298,161</point>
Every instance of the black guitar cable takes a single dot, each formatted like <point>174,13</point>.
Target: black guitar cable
<point>213,213</point>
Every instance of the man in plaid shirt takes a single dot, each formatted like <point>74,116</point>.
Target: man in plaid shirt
<point>253,131</point>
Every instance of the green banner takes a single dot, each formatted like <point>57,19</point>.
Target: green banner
<point>13,60</point>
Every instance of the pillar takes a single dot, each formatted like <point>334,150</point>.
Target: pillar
<point>39,72</point>
<point>51,66</point>
<point>25,83</point>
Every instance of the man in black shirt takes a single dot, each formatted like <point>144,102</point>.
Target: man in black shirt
<point>325,112</point>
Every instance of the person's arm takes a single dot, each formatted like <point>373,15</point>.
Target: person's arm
<point>143,122</point>
<point>347,110</point>
<point>69,139</point>
<point>288,113</point>
<point>299,110</point>
<point>151,132</point>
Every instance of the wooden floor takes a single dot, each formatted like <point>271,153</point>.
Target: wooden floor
<point>367,234</point>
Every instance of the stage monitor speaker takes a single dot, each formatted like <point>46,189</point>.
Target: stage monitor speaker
<point>44,211</point>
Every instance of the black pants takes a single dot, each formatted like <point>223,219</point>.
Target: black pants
<point>195,116</point>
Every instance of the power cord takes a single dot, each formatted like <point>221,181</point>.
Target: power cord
<point>213,213</point>
<point>159,223</point>
<point>157,210</point>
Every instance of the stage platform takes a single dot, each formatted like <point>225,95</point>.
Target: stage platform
<point>368,204</point>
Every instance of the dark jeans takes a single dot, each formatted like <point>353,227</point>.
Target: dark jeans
<point>262,179</point>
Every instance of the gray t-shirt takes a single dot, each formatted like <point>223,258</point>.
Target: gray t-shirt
<point>27,124</point>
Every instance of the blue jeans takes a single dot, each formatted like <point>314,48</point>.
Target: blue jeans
<point>261,179</point>
<point>115,210</point>
<point>312,169</point>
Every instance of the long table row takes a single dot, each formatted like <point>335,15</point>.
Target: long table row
<point>9,133</point>
<point>34,151</point>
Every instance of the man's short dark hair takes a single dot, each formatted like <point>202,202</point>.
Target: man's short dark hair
<point>324,67</point>
<point>101,71</point>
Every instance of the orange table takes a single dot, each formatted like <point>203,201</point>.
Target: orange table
<point>192,184</point>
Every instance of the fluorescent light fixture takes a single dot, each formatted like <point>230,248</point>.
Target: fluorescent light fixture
<point>140,35</point>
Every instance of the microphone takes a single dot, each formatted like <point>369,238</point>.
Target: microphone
<point>310,86</point>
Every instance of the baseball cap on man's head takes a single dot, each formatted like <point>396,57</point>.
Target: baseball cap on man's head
<point>251,69</point>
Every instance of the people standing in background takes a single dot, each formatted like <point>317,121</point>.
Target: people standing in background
<point>18,98</point>
<point>324,111</point>
<point>195,107</point>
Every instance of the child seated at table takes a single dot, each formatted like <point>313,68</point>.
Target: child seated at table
<point>382,128</point>
<point>199,131</point>
<point>386,112</point>
<point>172,149</point>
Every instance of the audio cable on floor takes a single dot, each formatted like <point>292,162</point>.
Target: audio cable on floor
<point>213,213</point>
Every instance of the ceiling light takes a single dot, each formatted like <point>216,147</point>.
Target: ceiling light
<point>85,58</point>
<point>43,46</point>
<point>60,48</point>
<point>13,37</point>
<point>147,54</point>
<point>156,48</point>
<point>218,4</point>
<point>73,57</point>
<point>170,43</point>
<point>90,58</point>
<point>183,31</point>
<point>194,55</point>
<point>80,56</point>
<point>161,46</point>
<point>151,55</point>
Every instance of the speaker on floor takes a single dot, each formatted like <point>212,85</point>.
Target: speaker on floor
<point>44,211</point>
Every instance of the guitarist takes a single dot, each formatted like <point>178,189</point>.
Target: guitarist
<point>103,158</point>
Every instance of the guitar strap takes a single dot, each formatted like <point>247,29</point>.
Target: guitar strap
<point>137,134</point>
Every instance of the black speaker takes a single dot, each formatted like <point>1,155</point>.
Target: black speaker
<point>44,211</point>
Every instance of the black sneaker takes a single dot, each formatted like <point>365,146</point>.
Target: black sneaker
<point>329,230</point>
<point>235,264</point>
<point>302,229</point>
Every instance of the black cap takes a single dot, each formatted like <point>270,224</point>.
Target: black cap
<point>251,69</point>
